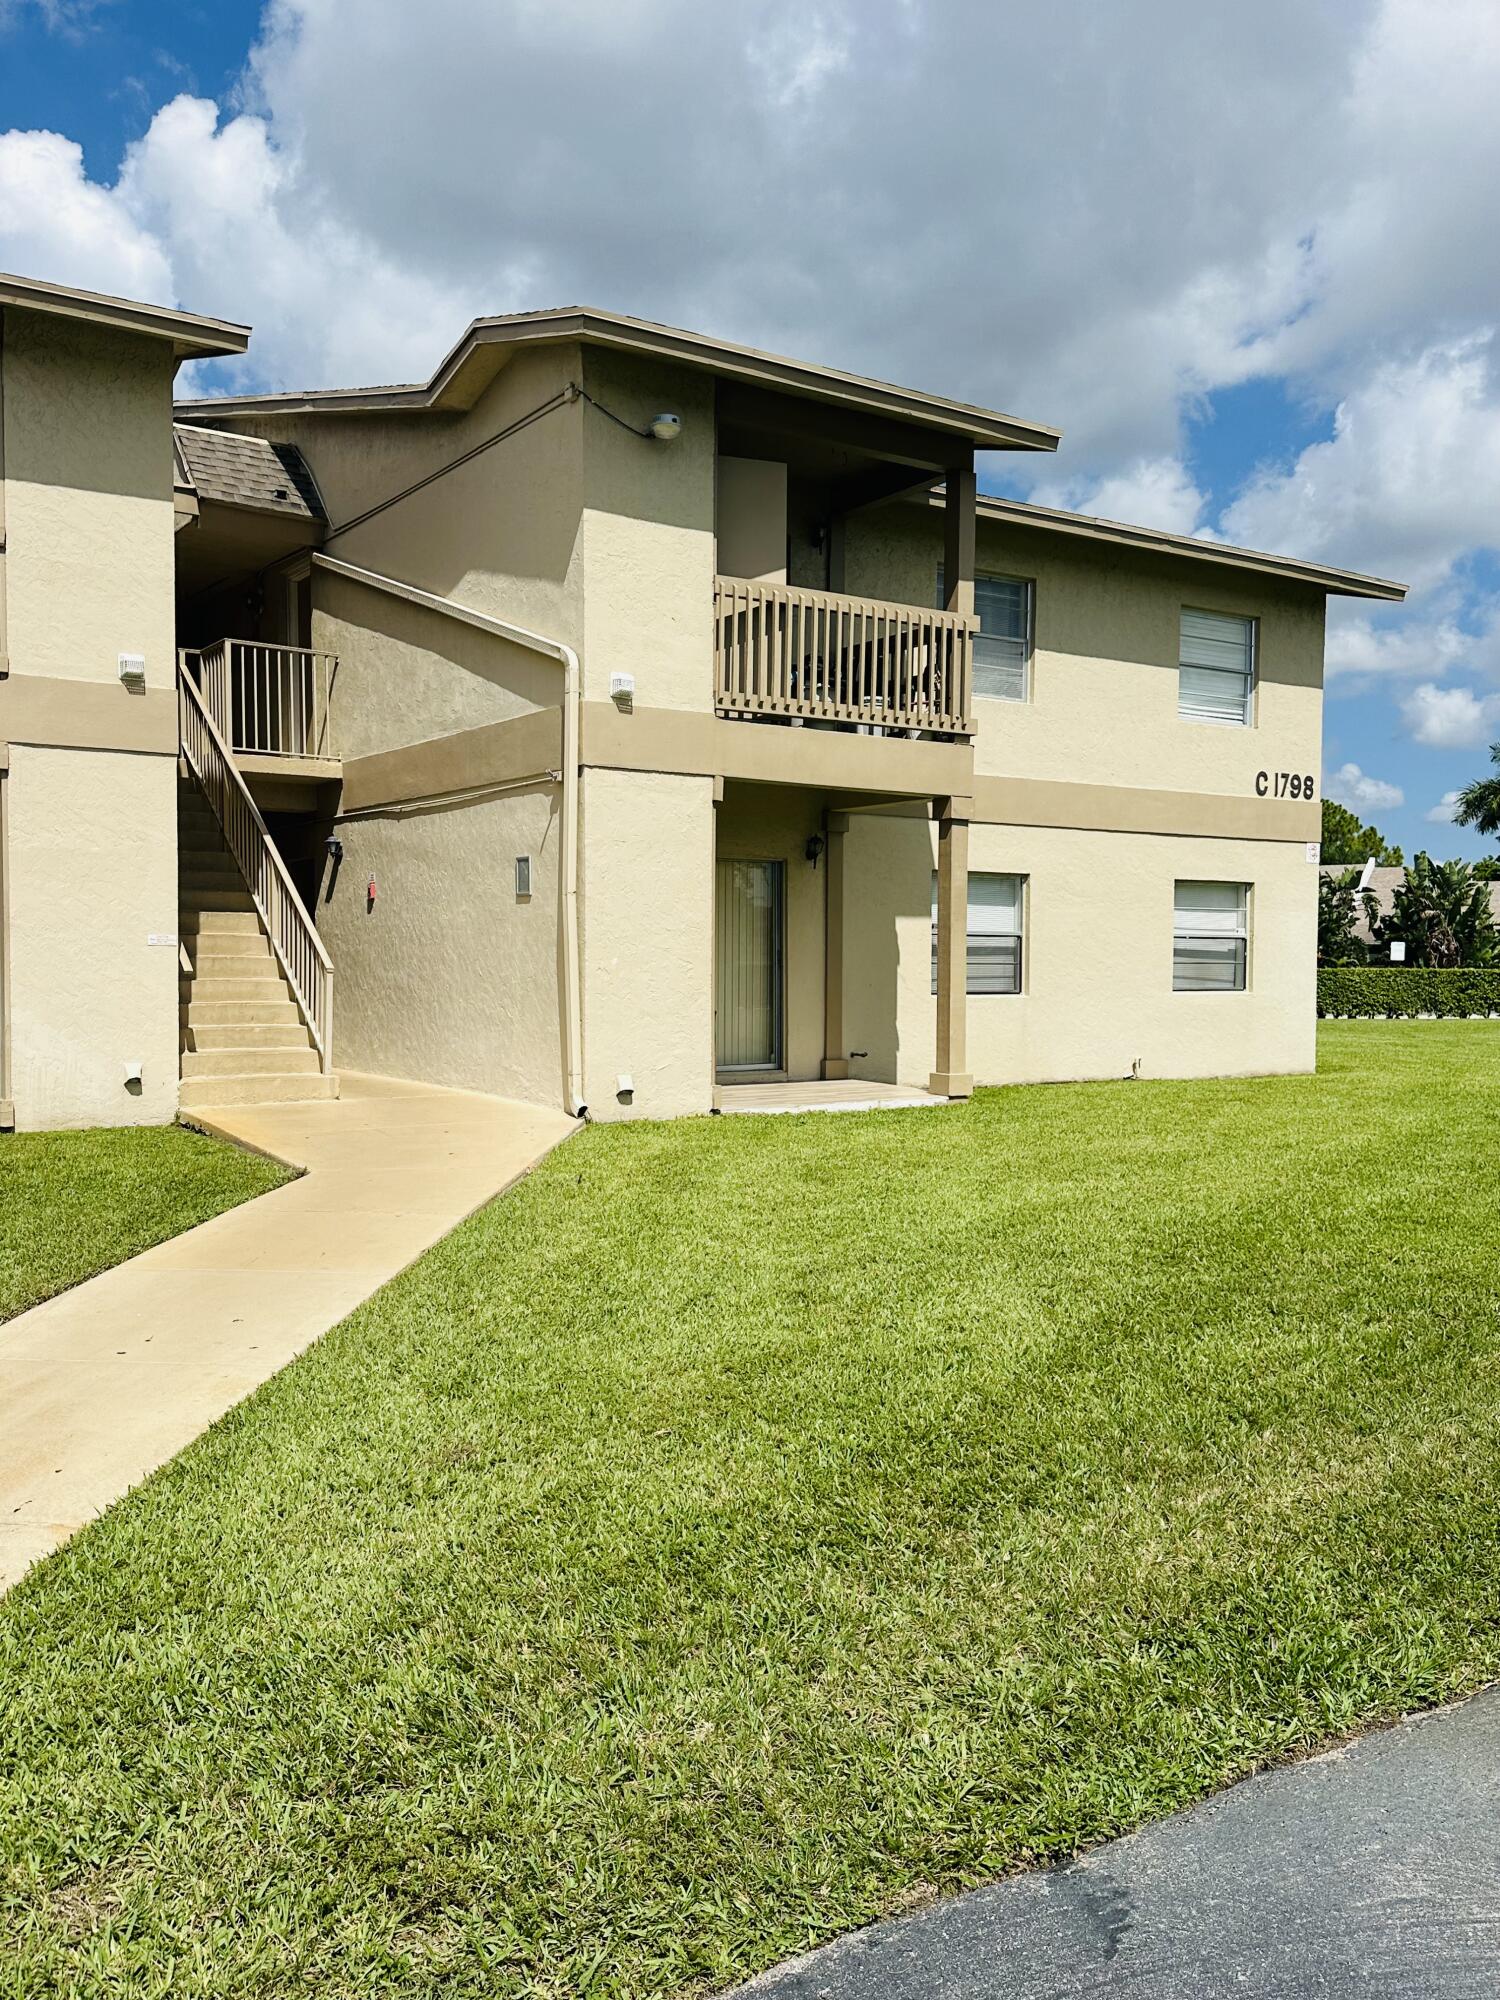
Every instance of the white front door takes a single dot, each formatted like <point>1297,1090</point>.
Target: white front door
<point>747,951</point>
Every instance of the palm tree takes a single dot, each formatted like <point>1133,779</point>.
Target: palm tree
<point>1443,916</point>
<point>1478,805</point>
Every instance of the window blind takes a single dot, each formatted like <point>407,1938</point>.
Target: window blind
<point>1216,667</point>
<point>994,926</point>
<point>1002,645</point>
<point>1209,935</point>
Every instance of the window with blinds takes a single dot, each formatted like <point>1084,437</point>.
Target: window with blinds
<point>995,919</point>
<point>1209,937</point>
<point>1216,667</point>
<point>1002,645</point>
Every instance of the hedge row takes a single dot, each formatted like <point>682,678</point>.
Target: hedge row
<point>1402,992</point>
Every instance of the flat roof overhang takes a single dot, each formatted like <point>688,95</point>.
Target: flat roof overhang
<point>1157,541</point>
<point>488,344</point>
<point>193,337</point>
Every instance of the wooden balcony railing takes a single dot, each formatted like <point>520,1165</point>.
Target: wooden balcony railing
<point>268,701</point>
<point>780,651</point>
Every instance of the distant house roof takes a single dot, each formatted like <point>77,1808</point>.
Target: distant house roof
<point>487,344</point>
<point>1336,582</point>
<point>192,336</point>
<point>1384,882</point>
<point>240,471</point>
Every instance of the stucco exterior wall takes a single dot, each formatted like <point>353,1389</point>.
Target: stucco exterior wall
<point>91,864</point>
<point>647,942</point>
<point>448,976</point>
<point>89,812</point>
<point>1097,957</point>
<point>648,530</point>
<point>1102,706</point>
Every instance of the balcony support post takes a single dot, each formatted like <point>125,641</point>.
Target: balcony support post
<point>958,537</point>
<point>951,1077</point>
<point>835,1034</point>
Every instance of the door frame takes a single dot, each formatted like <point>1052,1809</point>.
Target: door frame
<point>776,1071</point>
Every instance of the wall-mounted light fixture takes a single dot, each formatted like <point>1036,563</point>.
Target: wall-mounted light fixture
<point>814,848</point>
<point>666,427</point>
<point>133,671</point>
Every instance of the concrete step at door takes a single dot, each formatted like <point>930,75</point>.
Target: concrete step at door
<point>250,1062</point>
<point>208,947</point>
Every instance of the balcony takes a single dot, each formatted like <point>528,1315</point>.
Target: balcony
<point>782,653</point>
<point>268,702</point>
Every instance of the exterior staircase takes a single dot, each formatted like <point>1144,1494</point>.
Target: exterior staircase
<point>243,1039</point>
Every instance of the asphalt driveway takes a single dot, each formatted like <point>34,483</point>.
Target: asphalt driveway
<point>1372,1870</point>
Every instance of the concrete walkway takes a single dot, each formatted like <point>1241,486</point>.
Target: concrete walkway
<point>1372,1870</point>
<point>104,1383</point>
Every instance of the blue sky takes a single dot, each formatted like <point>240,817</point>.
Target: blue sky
<point>1243,257</point>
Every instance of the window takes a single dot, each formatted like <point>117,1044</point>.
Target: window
<point>1216,670</point>
<point>996,903</point>
<point>1209,933</point>
<point>1002,646</point>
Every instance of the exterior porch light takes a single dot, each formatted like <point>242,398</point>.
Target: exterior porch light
<point>666,427</point>
<point>814,848</point>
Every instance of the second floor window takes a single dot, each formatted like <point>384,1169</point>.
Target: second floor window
<point>995,922</point>
<point>1216,668</point>
<point>1002,646</point>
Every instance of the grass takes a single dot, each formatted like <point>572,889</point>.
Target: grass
<point>751,1526</point>
<point>73,1203</point>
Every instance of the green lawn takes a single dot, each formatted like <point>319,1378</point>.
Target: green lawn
<point>750,1526</point>
<point>73,1203</point>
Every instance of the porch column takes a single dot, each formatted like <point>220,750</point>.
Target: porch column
<point>951,1078</point>
<point>958,537</point>
<point>835,1036</point>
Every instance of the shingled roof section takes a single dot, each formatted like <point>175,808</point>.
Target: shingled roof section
<point>248,472</point>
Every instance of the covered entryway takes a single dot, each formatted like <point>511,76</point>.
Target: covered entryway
<point>749,954</point>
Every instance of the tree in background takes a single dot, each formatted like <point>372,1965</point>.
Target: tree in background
<point>1478,805</point>
<point>1345,840</point>
<point>1339,904</point>
<point>1442,914</point>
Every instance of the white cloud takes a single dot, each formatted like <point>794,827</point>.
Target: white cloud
<point>56,223</point>
<point>1450,718</point>
<point>1442,813</point>
<point>1354,788</point>
<point>1153,493</point>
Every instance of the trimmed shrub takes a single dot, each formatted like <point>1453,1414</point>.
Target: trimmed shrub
<point>1403,992</point>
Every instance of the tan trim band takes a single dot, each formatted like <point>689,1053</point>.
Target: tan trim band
<point>1134,809</point>
<point>693,743</point>
<point>496,753</point>
<point>87,715</point>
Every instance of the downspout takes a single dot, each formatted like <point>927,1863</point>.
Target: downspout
<point>554,649</point>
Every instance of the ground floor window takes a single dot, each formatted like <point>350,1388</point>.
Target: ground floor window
<point>1210,930</point>
<point>995,928</point>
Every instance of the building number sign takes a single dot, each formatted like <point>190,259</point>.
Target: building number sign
<point>1284,785</point>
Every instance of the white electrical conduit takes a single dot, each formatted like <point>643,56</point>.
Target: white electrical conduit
<point>536,642</point>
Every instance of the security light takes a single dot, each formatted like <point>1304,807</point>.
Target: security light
<point>666,427</point>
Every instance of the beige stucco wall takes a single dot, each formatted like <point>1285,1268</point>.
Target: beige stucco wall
<point>1097,957</point>
<point>1102,707</point>
<point>91,864</point>
<point>449,977</point>
<point>89,833</point>
<point>648,535</point>
<point>647,942</point>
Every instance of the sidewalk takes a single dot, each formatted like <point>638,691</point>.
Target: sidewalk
<point>104,1383</point>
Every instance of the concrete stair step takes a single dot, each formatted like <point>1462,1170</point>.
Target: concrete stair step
<point>220,917</point>
<point>228,987</point>
<point>207,867</point>
<point>228,944</point>
<point>201,1036</point>
<point>205,1091</point>
<point>249,1062</point>
<point>251,1013</point>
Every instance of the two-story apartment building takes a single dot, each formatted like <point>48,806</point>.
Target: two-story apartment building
<point>622,718</point>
